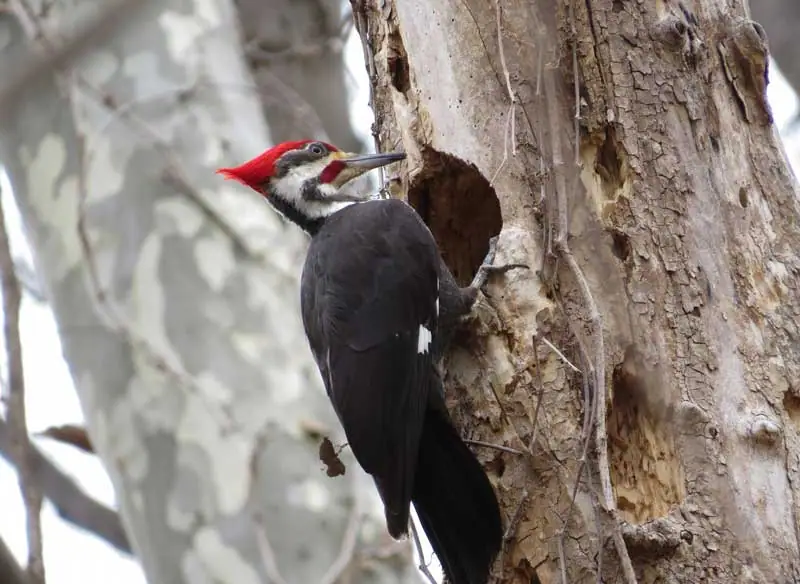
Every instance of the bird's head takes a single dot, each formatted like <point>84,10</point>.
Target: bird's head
<point>303,180</point>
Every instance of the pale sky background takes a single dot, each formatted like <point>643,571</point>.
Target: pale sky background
<point>72,555</point>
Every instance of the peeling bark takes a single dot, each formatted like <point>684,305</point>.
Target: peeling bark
<point>176,300</point>
<point>659,319</point>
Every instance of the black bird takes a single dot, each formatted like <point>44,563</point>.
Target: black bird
<point>377,303</point>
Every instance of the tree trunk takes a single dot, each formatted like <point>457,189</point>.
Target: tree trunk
<point>294,49</point>
<point>658,322</point>
<point>176,298</point>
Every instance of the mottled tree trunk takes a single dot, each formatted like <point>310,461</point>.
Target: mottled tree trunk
<point>660,314</point>
<point>176,299</point>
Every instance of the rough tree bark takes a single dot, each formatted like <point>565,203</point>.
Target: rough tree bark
<point>660,315</point>
<point>176,300</point>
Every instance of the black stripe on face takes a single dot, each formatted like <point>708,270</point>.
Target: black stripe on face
<point>311,152</point>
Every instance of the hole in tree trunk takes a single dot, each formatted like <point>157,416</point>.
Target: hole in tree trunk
<point>645,469</point>
<point>398,63</point>
<point>621,245</point>
<point>791,402</point>
<point>461,209</point>
<point>743,198</point>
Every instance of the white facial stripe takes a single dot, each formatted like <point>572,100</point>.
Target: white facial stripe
<point>424,339</point>
<point>290,185</point>
<point>290,188</point>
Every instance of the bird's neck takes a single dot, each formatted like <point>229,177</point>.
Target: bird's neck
<point>315,215</point>
<point>310,225</point>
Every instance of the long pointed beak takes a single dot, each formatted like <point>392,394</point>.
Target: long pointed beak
<point>365,162</point>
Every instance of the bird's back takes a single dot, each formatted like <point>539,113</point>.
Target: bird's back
<point>364,263</point>
<point>370,305</point>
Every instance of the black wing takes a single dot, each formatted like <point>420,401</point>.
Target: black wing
<point>369,295</point>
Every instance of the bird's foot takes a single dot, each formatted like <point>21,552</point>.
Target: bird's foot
<point>488,268</point>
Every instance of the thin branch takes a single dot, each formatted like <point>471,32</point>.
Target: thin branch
<point>174,174</point>
<point>349,540</point>
<point>359,8</point>
<point>513,525</point>
<point>30,71</point>
<point>21,447</point>
<point>71,502</point>
<point>512,96</point>
<point>113,317</point>
<point>600,542</point>
<point>576,84</point>
<point>560,354</point>
<point>562,561</point>
<point>510,131</point>
<point>597,356</point>
<point>516,518</point>
<point>495,446</point>
<point>539,396</point>
<point>267,553</point>
<point>423,567</point>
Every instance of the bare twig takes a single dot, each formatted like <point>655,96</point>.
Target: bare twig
<point>539,396</point>
<point>111,316</point>
<point>115,320</point>
<point>576,84</point>
<point>71,502</point>
<point>361,21</point>
<point>495,446</point>
<point>517,517</point>
<point>562,560</point>
<point>423,566</point>
<point>513,525</point>
<point>174,176</point>
<point>29,487</point>
<point>348,548</point>
<point>562,533</point>
<point>596,357</point>
<point>267,553</point>
<point>600,542</point>
<point>510,132</point>
<point>35,68</point>
<point>560,354</point>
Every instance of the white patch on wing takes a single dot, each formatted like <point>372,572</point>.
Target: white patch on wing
<point>424,338</point>
<point>290,188</point>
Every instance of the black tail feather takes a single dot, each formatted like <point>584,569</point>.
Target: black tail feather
<point>455,503</point>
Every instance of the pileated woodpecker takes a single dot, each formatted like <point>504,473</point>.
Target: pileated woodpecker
<point>377,303</point>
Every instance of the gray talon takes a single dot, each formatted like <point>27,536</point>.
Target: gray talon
<point>487,269</point>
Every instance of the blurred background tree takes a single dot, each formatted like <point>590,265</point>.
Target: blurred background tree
<point>174,294</point>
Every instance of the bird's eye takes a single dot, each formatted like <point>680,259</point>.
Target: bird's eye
<point>316,148</point>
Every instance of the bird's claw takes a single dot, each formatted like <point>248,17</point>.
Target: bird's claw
<point>487,268</point>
